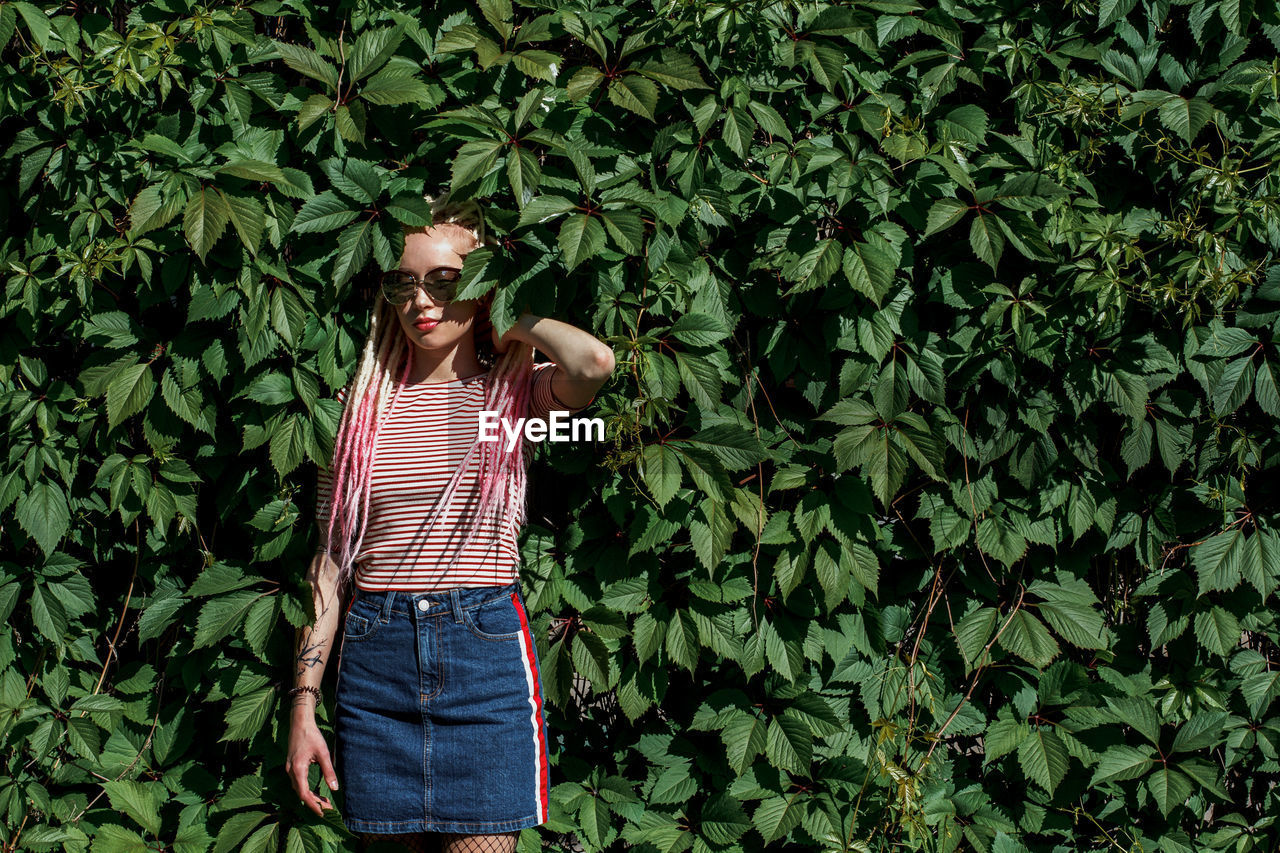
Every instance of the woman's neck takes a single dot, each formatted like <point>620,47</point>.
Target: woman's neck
<point>430,367</point>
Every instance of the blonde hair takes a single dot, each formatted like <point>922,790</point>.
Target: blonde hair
<point>381,372</point>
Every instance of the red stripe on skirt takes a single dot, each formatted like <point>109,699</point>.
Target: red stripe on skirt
<point>544,772</point>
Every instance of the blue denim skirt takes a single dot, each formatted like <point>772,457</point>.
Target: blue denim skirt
<point>439,722</point>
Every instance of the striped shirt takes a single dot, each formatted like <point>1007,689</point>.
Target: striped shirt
<point>420,444</point>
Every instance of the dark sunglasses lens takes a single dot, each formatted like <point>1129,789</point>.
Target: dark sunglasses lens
<point>445,275</point>
<point>398,287</point>
<point>442,284</point>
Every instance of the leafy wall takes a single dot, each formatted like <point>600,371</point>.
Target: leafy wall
<point>938,506</point>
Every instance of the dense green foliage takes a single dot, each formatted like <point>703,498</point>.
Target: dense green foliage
<point>936,510</point>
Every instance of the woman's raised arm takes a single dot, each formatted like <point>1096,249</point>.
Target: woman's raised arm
<point>584,361</point>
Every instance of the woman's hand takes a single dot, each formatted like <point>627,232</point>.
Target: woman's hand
<point>307,747</point>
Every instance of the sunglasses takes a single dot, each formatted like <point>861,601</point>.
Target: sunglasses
<point>400,286</point>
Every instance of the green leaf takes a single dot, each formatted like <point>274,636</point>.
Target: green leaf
<point>1233,386</point>
<point>986,238</point>
<point>306,61</point>
<point>222,616</point>
<point>1122,762</point>
<point>1219,560</point>
<point>1169,788</point>
<point>524,174</point>
<point>870,269</point>
<point>49,616</point>
<point>1203,730</point>
<point>356,179</point>
<point>1186,116</point>
<point>139,800</point>
<point>391,90</point>
<point>1000,539</point>
<point>1004,735</point>
<point>538,64</point>
<point>1075,620</point>
<point>1043,758</point>
<point>474,160</point>
<point>739,128</point>
<point>860,561</point>
<point>313,108</point>
<point>789,745</point>
<point>636,94</point>
<point>543,209</point>
<point>626,229</point>
<point>682,641</point>
<point>349,121</point>
<point>744,738</point>
<point>723,820</point>
<point>661,471</point>
<point>354,245</point>
<point>1028,638</point>
<point>248,217</point>
<point>204,219</point>
<point>944,213</point>
<point>252,170</point>
<point>676,70</point>
<point>414,211</point>
<point>271,389</point>
<point>1265,391</point>
<point>1259,690</point>
<point>37,23</point>
<point>1218,630</point>
<point>735,446</point>
<point>776,816</point>
<point>110,838</point>
<point>698,329</point>
<point>816,267</point>
<point>259,623</point>
<point>583,81</point>
<point>972,633</point>
<point>581,237</point>
<point>248,714</point>
<point>45,516</point>
<point>129,392</point>
<point>372,49</point>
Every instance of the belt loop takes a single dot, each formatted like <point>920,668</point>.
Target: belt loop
<point>456,604</point>
<point>387,602</point>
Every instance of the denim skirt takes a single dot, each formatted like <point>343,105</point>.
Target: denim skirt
<point>439,724</point>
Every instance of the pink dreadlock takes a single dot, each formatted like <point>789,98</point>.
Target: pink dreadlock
<point>344,493</point>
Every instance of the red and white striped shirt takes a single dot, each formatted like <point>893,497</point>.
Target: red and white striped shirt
<point>420,444</point>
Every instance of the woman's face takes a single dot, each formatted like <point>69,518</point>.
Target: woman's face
<point>443,245</point>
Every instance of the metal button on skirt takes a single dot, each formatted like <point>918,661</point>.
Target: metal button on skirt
<point>439,722</point>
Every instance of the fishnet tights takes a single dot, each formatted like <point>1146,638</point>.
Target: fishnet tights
<point>438,842</point>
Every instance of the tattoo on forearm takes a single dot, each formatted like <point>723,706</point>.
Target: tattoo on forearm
<point>309,652</point>
<point>310,656</point>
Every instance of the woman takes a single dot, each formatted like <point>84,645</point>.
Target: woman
<point>439,723</point>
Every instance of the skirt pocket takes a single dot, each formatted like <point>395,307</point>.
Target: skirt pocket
<point>499,619</point>
<point>360,625</point>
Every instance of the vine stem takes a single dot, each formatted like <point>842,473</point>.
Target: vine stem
<point>342,66</point>
<point>111,647</point>
<point>14,844</point>
<point>976,675</point>
<point>755,551</point>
